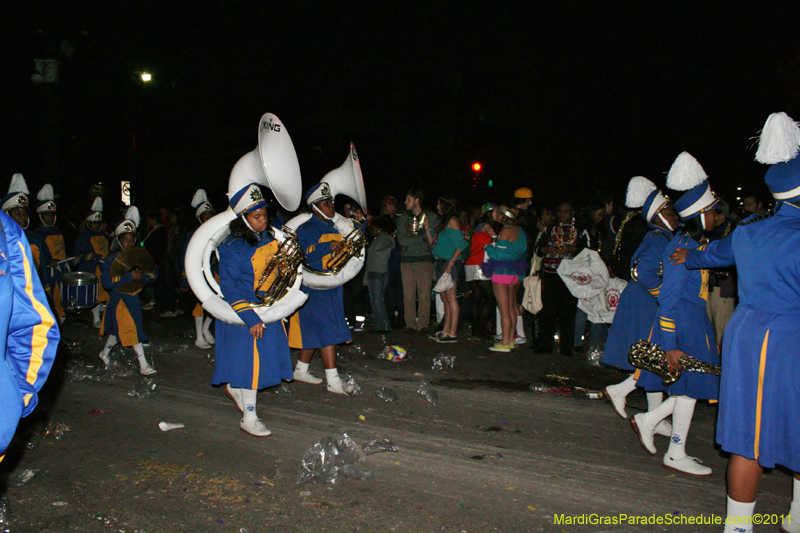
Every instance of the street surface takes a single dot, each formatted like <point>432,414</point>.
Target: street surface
<point>491,456</point>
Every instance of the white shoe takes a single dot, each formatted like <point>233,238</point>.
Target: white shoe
<point>208,336</point>
<point>104,357</point>
<point>336,385</point>
<point>168,314</point>
<point>664,428</point>
<point>617,402</point>
<point>202,344</point>
<point>691,466</point>
<point>306,377</point>
<point>235,395</point>
<point>147,370</point>
<point>255,428</point>
<point>645,432</point>
<point>520,340</point>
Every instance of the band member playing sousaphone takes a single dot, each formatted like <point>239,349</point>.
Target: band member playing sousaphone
<point>320,323</point>
<point>91,247</point>
<point>124,273</point>
<point>255,355</point>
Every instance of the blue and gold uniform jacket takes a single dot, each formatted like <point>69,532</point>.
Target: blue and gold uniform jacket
<point>240,268</point>
<point>315,237</point>
<point>91,247</point>
<point>54,240</point>
<point>647,259</point>
<point>28,334</point>
<point>42,259</point>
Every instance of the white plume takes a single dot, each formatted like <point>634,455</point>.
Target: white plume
<point>639,188</point>
<point>685,173</point>
<point>199,197</point>
<point>97,205</point>
<point>779,140</point>
<point>45,193</point>
<point>18,184</point>
<point>132,214</point>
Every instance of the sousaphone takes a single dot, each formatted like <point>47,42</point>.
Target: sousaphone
<point>349,181</point>
<point>272,164</point>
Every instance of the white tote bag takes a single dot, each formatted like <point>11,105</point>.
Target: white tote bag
<point>444,283</point>
<point>532,289</point>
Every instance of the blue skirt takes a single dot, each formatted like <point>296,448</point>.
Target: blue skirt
<point>249,364</point>
<point>696,339</point>
<point>123,318</point>
<point>759,407</point>
<point>633,321</point>
<point>321,321</point>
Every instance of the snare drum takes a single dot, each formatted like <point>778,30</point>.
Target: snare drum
<point>78,290</point>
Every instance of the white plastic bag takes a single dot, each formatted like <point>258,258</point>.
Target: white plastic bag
<point>586,275</point>
<point>445,283</point>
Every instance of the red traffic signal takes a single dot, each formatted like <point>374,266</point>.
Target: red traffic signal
<point>477,167</point>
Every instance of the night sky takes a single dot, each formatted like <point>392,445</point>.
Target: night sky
<point>568,98</point>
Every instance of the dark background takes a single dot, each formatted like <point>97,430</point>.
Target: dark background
<point>568,98</point>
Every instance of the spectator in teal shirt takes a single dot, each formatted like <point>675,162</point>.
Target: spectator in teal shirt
<point>448,243</point>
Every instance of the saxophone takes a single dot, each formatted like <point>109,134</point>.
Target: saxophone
<point>352,245</point>
<point>282,270</point>
<point>651,357</point>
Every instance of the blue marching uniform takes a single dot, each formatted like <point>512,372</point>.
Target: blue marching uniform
<point>41,259</point>
<point>29,336</point>
<point>240,360</point>
<point>123,314</point>
<point>321,321</point>
<point>638,304</point>
<point>759,409</point>
<point>92,248</point>
<point>682,324</point>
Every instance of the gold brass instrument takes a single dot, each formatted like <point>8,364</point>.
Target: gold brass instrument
<point>130,260</point>
<point>352,245</point>
<point>635,270</point>
<point>651,357</point>
<point>282,270</point>
<point>415,223</point>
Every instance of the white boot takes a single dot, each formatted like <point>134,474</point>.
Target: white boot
<point>618,395</point>
<point>97,316</point>
<point>235,395</point>
<point>207,335</point>
<point>335,383</point>
<point>250,422</point>
<point>104,353</point>
<point>301,373</point>
<point>200,341</point>
<point>144,367</point>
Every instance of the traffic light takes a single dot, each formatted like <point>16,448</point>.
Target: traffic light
<point>477,170</point>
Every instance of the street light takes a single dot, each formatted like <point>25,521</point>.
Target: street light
<point>146,76</point>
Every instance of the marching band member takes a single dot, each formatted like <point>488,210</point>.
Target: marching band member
<point>54,239</point>
<point>682,326</point>
<point>29,333</point>
<point>16,203</point>
<point>639,301</point>
<point>203,210</point>
<point>255,355</point>
<point>122,320</point>
<point>320,323</point>
<point>91,247</point>
<point>759,408</point>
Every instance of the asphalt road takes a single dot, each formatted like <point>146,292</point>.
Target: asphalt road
<point>491,456</point>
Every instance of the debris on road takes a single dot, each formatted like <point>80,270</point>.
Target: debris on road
<point>386,394</point>
<point>428,392</point>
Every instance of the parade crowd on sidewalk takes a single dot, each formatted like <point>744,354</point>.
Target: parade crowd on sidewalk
<point>702,279</point>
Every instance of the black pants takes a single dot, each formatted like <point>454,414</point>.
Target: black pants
<point>482,317</point>
<point>558,309</point>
